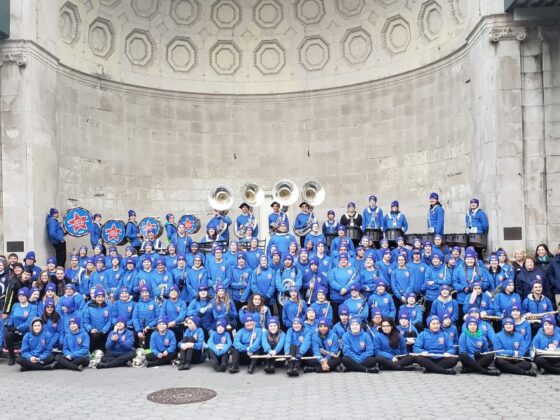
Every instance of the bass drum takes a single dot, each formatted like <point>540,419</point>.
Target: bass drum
<point>191,223</point>
<point>460,239</point>
<point>478,240</point>
<point>148,223</point>
<point>113,233</point>
<point>354,233</point>
<point>77,222</point>
<point>392,234</point>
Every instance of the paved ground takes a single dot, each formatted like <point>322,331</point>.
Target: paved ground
<point>122,393</point>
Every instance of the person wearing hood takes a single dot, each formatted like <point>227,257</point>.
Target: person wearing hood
<point>119,346</point>
<point>548,338</point>
<point>511,349</point>
<point>472,345</point>
<point>56,236</point>
<point>18,322</point>
<point>435,348</point>
<point>445,304</point>
<point>191,346</point>
<point>358,349</point>
<point>75,350</point>
<point>36,348</point>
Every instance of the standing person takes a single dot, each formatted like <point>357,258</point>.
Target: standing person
<point>56,236</point>
<point>553,274</point>
<point>372,216</point>
<point>358,349</point>
<point>163,345</point>
<point>133,231</point>
<point>476,220</point>
<point>170,228</point>
<point>436,215</point>
<point>246,219</point>
<point>277,217</point>
<point>95,233</point>
<point>435,348</point>
<point>527,276</point>
<point>36,348</point>
<point>351,219</point>
<point>221,223</point>
<point>182,241</point>
<point>303,222</point>
<point>119,346</point>
<point>395,219</point>
<point>543,257</point>
<point>75,350</point>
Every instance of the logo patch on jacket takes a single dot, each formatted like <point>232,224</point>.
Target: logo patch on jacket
<point>129,308</point>
<point>441,340</point>
<point>479,344</point>
<point>223,268</point>
<point>166,342</point>
<point>151,307</point>
<point>300,339</point>
<point>224,340</point>
<point>105,314</point>
<point>516,345</point>
<point>269,276</point>
<point>329,343</point>
<point>79,340</point>
<point>362,344</point>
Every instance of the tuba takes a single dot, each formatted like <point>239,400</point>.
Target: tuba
<point>286,193</point>
<point>221,199</point>
<point>253,195</point>
<point>313,193</point>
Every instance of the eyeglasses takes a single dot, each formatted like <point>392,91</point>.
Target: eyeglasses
<point>385,325</point>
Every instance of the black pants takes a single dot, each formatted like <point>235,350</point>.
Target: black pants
<point>112,359</point>
<point>440,365</point>
<point>191,355</point>
<point>11,337</point>
<point>27,364</point>
<point>60,252</point>
<point>147,336</point>
<point>335,306</point>
<point>153,360</point>
<point>97,341</point>
<point>64,363</point>
<point>333,363</point>
<point>239,358</point>
<point>514,366</point>
<point>478,364</point>
<point>178,331</point>
<point>548,364</point>
<point>219,360</point>
<point>426,314</point>
<point>386,364</point>
<point>355,366</point>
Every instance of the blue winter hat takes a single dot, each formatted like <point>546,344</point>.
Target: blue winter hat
<point>351,204</point>
<point>493,257</point>
<point>116,257</point>
<point>356,320</point>
<point>475,201</point>
<point>313,261</point>
<point>202,287</point>
<point>160,261</point>
<point>395,203</point>
<point>372,197</point>
<point>448,258</point>
<point>322,290</point>
<point>288,258</point>
<point>196,320</point>
<point>68,302</point>
<point>550,319</point>
<point>426,243</point>
<point>380,283</point>
<point>74,257</point>
<point>383,241</point>
<point>194,245</point>
<point>273,320</point>
<point>375,311</point>
<point>181,258</point>
<point>343,256</point>
<point>163,320</point>
<point>310,309</point>
<point>34,290</point>
<point>416,252</point>
<point>508,320</point>
<point>98,247</point>
<point>220,286</point>
<point>330,212</point>
<point>130,261</point>
<point>53,211</point>
<point>303,251</point>
<point>221,322</point>
<point>500,253</point>
<point>174,288</point>
<point>131,213</point>
<point>51,260</point>
<point>167,216</point>
<point>514,307</point>
<point>143,288</point>
<point>49,302</point>
<point>471,319</point>
<point>404,315</point>
<point>434,196</point>
<point>474,309</point>
<point>505,282</point>
<point>387,252</point>
<point>324,321</point>
<point>24,291</point>
<point>122,319</point>
<point>297,320</point>
<point>241,256</point>
<point>341,228</point>
<point>248,318</point>
<point>456,248</point>
<point>436,256</point>
<point>410,294</point>
<point>99,292</point>
<point>355,286</point>
<point>50,286</point>
<point>76,320</point>
<point>469,253</point>
<point>444,287</point>
<point>432,318</point>
<point>100,260</point>
<point>113,249</point>
<point>343,310</point>
<point>30,256</point>
<point>124,289</point>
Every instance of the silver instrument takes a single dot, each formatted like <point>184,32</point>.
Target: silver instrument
<point>253,195</point>
<point>313,193</point>
<point>221,200</point>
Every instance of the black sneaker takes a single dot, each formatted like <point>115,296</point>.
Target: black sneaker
<point>222,368</point>
<point>309,369</point>
<point>12,361</point>
<point>292,372</point>
<point>101,365</point>
<point>530,373</point>
<point>234,369</point>
<point>251,370</point>
<point>451,372</point>
<point>372,370</point>
<point>182,367</point>
<point>270,369</point>
<point>341,368</point>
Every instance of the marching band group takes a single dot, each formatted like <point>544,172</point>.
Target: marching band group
<point>336,300</point>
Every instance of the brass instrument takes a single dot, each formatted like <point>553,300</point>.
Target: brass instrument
<point>494,292</point>
<point>310,290</point>
<point>286,193</point>
<point>221,200</point>
<point>285,295</point>
<point>434,355</point>
<point>555,354</point>
<point>313,193</point>
<point>491,318</point>
<point>538,317</point>
<point>262,316</point>
<point>253,195</point>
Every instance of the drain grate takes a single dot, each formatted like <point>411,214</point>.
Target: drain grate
<point>177,396</point>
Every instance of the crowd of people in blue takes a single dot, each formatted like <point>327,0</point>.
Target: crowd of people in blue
<point>313,305</point>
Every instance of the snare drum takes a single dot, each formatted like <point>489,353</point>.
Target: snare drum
<point>392,234</point>
<point>426,237</point>
<point>374,234</point>
<point>477,240</point>
<point>460,239</point>
<point>448,239</point>
<point>354,233</point>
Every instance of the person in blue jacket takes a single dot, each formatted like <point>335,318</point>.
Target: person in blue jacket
<point>170,228</point>
<point>358,349</point>
<point>95,232</point>
<point>414,311</point>
<point>401,280</point>
<point>192,345</point>
<point>297,344</point>
<point>408,331</point>
<point>340,279</point>
<point>372,216</point>
<point>522,326</point>
<point>262,281</point>
<point>450,329</point>
<point>511,347</point>
<point>123,308</point>
<point>97,320</point>
<point>383,300</point>
<point>476,220</point>
<point>506,298</point>
<point>36,348</point>
<point>239,278</point>
<point>75,350</point>
<point>119,346</point>
<point>219,345</point>
<point>548,338</point>
<point>391,351</point>
<point>272,342</point>
<point>536,303</point>
<point>133,231</point>
<point>357,304</point>
<point>436,353</point>
<point>18,322</point>
<point>175,310</point>
<point>247,342</point>
<point>445,304</point>
<point>436,215</point>
<point>395,219</point>
<point>145,316</point>
<point>436,275</point>
<point>326,349</point>
<point>473,350</point>
<point>163,345</point>
<point>56,236</point>
<point>202,308</point>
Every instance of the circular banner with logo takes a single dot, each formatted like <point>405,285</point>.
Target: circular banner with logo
<point>191,223</point>
<point>113,232</point>
<point>150,223</point>
<point>77,222</point>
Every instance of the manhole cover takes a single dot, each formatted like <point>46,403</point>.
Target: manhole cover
<point>181,395</point>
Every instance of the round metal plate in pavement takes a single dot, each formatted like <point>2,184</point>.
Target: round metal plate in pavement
<point>181,395</point>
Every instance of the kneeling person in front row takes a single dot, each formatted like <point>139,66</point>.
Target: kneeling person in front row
<point>162,345</point>
<point>119,346</point>
<point>297,344</point>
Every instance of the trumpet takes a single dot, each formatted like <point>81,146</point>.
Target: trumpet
<point>538,317</point>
